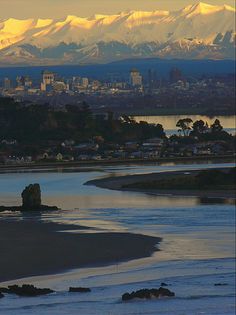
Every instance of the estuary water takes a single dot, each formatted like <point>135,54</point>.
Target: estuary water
<point>169,122</point>
<point>197,250</point>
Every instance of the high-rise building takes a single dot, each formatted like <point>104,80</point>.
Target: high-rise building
<point>152,79</point>
<point>20,81</point>
<point>175,75</point>
<point>48,78</point>
<point>7,83</point>
<point>135,78</point>
<point>85,82</point>
<point>28,82</point>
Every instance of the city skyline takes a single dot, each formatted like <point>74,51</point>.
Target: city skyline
<point>60,8</point>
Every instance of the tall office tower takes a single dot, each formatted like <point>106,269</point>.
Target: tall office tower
<point>175,75</point>
<point>135,78</point>
<point>20,81</point>
<point>7,83</point>
<point>48,78</point>
<point>85,82</point>
<point>152,79</point>
<point>28,82</point>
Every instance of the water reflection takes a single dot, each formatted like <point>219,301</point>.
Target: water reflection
<point>190,226</point>
<point>67,189</point>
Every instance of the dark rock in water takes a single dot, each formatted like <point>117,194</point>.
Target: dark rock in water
<point>31,201</point>
<point>81,290</point>
<point>4,290</point>
<point>147,294</point>
<point>163,284</point>
<point>220,284</point>
<point>31,197</point>
<point>1,295</point>
<point>27,290</point>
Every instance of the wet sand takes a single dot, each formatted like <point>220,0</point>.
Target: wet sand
<point>32,248</point>
<point>117,183</point>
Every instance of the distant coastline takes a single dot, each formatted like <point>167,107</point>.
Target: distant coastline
<point>129,182</point>
<point>67,165</point>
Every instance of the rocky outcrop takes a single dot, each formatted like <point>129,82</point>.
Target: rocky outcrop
<point>4,290</point>
<point>148,294</point>
<point>25,290</point>
<point>79,289</point>
<point>163,284</point>
<point>31,201</point>
<point>31,197</point>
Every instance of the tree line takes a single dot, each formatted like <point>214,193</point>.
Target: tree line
<point>37,124</point>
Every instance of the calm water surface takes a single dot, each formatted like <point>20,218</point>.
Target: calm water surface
<point>169,122</point>
<point>197,249</point>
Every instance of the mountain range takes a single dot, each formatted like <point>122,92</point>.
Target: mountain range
<point>199,31</point>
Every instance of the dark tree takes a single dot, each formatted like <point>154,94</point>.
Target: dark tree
<point>216,126</point>
<point>184,125</point>
<point>199,127</point>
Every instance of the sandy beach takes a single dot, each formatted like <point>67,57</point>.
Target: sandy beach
<point>117,183</point>
<point>30,248</point>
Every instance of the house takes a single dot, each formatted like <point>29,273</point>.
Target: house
<point>45,156</point>
<point>68,143</point>
<point>9,142</point>
<point>136,155</point>
<point>131,146</point>
<point>18,160</point>
<point>96,157</point>
<point>59,157</point>
<point>83,157</point>
<point>89,146</point>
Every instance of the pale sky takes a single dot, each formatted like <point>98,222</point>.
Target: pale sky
<point>84,8</point>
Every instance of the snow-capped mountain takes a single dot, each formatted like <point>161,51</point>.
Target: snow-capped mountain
<point>196,31</point>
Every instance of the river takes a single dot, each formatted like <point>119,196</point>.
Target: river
<point>197,250</point>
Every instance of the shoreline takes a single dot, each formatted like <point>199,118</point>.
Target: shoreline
<point>82,164</point>
<point>32,248</point>
<point>116,183</point>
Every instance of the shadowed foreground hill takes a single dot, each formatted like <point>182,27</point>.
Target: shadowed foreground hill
<point>38,248</point>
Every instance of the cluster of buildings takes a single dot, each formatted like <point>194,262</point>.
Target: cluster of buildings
<point>52,83</point>
<point>136,92</point>
<point>98,150</point>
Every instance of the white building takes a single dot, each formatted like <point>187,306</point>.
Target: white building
<point>7,84</point>
<point>47,79</point>
<point>85,82</point>
<point>135,78</point>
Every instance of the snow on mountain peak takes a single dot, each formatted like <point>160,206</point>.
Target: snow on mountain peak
<point>14,26</point>
<point>43,23</point>
<point>195,25</point>
<point>204,9</point>
<point>136,18</point>
<point>229,8</point>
